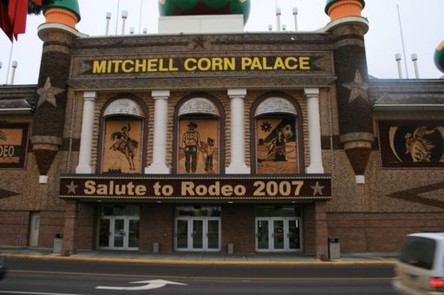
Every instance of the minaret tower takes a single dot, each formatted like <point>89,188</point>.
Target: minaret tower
<point>348,28</point>
<point>57,34</point>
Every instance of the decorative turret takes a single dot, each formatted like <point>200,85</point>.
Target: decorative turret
<point>64,12</point>
<point>344,8</point>
<point>204,7</point>
<point>57,34</point>
<point>355,119</point>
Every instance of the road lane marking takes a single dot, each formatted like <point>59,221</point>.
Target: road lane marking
<point>148,285</point>
<point>34,293</point>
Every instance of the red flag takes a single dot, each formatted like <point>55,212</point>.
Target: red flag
<point>17,12</point>
<point>5,22</point>
<point>13,15</point>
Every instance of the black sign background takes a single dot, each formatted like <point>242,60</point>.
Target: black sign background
<point>155,187</point>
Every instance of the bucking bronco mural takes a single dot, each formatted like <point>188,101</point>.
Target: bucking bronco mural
<point>122,151</point>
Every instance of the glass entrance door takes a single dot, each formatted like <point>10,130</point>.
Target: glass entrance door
<point>278,234</point>
<point>119,233</point>
<point>197,234</point>
<point>118,227</point>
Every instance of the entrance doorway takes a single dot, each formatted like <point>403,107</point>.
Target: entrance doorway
<point>197,229</point>
<point>119,231</point>
<point>278,233</point>
<point>34,230</point>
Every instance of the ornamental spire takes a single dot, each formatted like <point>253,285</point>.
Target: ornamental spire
<point>64,12</point>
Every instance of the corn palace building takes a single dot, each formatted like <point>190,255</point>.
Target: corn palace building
<point>204,138</point>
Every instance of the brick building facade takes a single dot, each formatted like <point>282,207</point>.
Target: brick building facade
<point>295,144</point>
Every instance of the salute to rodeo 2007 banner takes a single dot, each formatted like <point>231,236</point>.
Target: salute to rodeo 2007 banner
<point>156,187</point>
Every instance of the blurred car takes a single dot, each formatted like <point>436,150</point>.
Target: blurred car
<point>2,267</point>
<point>420,266</point>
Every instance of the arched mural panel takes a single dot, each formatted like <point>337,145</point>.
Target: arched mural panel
<point>122,152</point>
<point>123,129</point>
<point>276,145</point>
<point>199,146</point>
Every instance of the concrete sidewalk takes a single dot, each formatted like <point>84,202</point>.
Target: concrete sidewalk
<point>199,258</point>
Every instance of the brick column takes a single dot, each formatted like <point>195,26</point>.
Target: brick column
<point>70,228</point>
<point>320,230</point>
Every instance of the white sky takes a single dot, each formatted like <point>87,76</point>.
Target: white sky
<point>421,24</point>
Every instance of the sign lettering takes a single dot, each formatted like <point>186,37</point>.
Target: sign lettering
<point>176,187</point>
<point>203,64</point>
<point>13,145</point>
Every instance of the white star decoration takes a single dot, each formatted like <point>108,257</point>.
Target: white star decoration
<point>48,93</point>
<point>358,88</point>
<point>72,188</point>
<point>317,189</point>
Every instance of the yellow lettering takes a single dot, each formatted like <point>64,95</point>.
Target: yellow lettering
<point>304,63</point>
<point>171,66</point>
<point>217,64</point>
<point>162,67</point>
<point>117,64</point>
<point>126,68</point>
<point>152,65</point>
<point>265,65</point>
<point>245,63</point>
<point>99,67</point>
<point>256,64</point>
<point>279,64</point>
<point>190,64</point>
<point>109,67</point>
<point>140,65</point>
<point>229,64</point>
<point>291,63</point>
<point>204,64</point>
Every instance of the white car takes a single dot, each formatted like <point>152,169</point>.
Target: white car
<point>420,267</point>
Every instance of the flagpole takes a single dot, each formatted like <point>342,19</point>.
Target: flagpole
<point>117,15</point>
<point>140,17</point>
<point>9,62</point>
<point>402,41</point>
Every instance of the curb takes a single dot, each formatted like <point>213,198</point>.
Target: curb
<point>197,262</point>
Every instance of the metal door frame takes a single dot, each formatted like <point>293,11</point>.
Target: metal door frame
<point>286,234</point>
<point>190,228</point>
<point>112,233</point>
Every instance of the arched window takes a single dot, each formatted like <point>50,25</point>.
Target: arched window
<point>277,138</point>
<point>123,122</point>
<point>199,143</point>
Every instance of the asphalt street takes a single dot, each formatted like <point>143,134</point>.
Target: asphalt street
<point>42,276</point>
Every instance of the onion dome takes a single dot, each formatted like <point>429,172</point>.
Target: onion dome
<point>344,8</point>
<point>439,56</point>
<point>204,7</point>
<point>65,12</point>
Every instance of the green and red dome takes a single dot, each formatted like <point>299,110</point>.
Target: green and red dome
<point>439,56</point>
<point>71,5</point>
<point>204,7</point>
